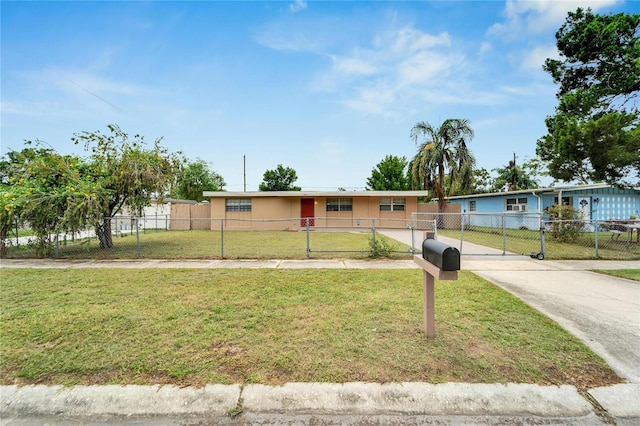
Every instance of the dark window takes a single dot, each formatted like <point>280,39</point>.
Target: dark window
<point>566,201</point>
<point>339,204</point>
<point>472,206</point>
<point>392,204</point>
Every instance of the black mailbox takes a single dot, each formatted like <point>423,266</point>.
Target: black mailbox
<point>445,257</point>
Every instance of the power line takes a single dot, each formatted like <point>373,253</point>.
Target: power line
<point>97,96</point>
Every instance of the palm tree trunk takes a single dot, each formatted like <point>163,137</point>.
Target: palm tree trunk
<point>439,187</point>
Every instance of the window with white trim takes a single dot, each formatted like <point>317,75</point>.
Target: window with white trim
<point>238,204</point>
<point>392,204</point>
<point>566,201</point>
<point>339,204</point>
<point>516,204</point>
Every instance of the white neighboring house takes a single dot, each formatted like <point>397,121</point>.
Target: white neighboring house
<point>155,216</point>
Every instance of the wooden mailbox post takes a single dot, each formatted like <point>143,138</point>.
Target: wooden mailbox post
<point>437,260</point>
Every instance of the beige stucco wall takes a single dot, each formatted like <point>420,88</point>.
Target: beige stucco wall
<point>276,213</point>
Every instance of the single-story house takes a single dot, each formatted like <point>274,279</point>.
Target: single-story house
<point>278,210</point>
<point>599,202</point>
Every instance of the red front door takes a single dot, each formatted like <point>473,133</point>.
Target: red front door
<point>307,208</point>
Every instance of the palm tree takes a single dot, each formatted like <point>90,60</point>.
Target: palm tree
<point>443,149</point>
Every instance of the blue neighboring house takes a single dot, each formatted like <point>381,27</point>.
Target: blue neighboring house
<point>599,202</point>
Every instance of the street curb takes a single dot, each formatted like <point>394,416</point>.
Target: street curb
<point>117,400</point>
<point>417,398</point>
<point>461,399</point>
<point>619,401</point>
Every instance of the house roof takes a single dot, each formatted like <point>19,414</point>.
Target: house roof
<point>546,191</point>
<point>312,194</point>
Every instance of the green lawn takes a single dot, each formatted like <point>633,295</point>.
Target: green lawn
<point>230,245</point>
<point>293,245</point>
<point>192,327</point>
<point>632,274</point>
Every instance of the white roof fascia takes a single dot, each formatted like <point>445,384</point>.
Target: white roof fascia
<point>312,194</point>
<point>547,190</point>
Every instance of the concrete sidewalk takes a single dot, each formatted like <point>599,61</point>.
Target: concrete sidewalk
<point>550,284</point>
<point>467,263</point>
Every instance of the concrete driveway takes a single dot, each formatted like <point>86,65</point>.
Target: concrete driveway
<point>602,311</point>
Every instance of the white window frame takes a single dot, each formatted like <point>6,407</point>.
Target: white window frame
<point>392,204</point>
<point>566,201</point>
<point>518,204</point>
<point>339,204</point>
<point>238,205</point>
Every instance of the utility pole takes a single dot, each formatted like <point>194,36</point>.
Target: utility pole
<point>244,168</point>
<point>515,173</point>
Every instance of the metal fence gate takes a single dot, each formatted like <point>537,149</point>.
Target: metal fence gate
<point>495,234</point>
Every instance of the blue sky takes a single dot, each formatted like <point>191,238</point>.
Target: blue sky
<point>328,88</point>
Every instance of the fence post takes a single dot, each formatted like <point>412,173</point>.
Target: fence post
<point>373,230</point>
<point>597,226</point>
<point>57,245</point>
<point>135,222</point>
<point>222,238</point>
<point>413,243</point>
<point>504,234</point>
<point>461,233</point>
<point>306,225</point>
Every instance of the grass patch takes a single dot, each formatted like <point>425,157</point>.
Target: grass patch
<point>632,274</point>
<point>237,245</point>
<point>192,327</point>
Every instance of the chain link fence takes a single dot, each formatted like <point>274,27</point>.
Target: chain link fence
<point>163,237</point>
<point>600,239</point>
<point>536,235</point>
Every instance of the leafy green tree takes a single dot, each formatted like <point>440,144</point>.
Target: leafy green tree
<point>481,181</point>
<point>594,134</point>
<point>280,179</point>
<point>514,177</point>
<point>121,172</point>
<point>390,175</point>
<point>194,178</point>
<point>36,184</point>
<point>55,193</point>
<point>443,150</point>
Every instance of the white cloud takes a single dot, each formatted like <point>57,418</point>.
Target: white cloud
<point>409,40</point>
<point>485,47</point>
<point>297,6</point>
<point>377,98</point>
<point>426,67</point>
<point>352,65</point>
<point>74,81</point>
<point>535,58</point>
<point>279,41</point>
<point>396,67</point>
<point>535,16</point>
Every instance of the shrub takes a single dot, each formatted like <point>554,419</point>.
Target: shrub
<point>380,247</point>
<point>565,222</point>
